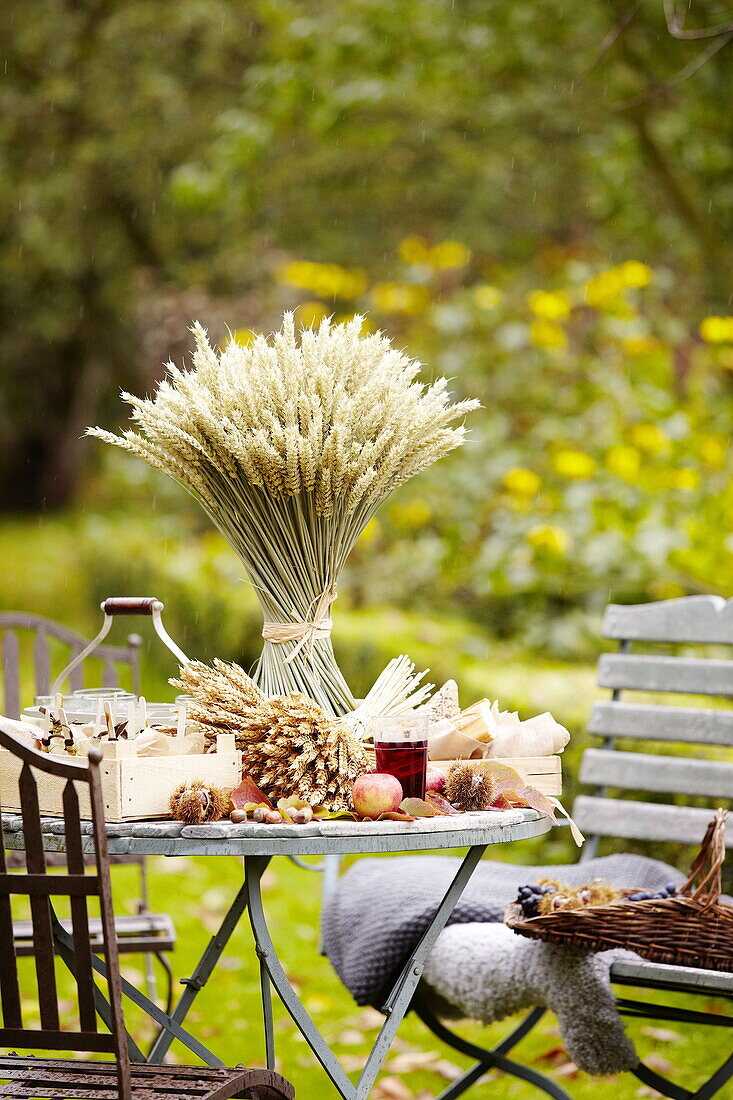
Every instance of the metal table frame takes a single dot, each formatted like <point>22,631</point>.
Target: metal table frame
<point>258,844</point>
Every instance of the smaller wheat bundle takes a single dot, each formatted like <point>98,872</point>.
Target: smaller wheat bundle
<point>290,445</point>
<point>291,746</point>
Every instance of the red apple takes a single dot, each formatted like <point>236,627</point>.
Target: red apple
<point>376,793</point>
<point>434,780</point>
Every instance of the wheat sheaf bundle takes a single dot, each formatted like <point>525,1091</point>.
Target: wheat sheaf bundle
<point>291,746</point>
<point>290,444</point>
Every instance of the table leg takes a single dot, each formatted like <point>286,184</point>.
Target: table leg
<point>203,971</point>
<point>398,1001</point>
<point>267,1018</point>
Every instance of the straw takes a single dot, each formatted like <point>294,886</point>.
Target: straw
<point>290,445</point>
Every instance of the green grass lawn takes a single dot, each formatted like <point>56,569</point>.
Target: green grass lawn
<point>46,578</point>
<point>226,1015</point>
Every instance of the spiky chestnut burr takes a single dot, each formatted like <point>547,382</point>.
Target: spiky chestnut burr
<point>197,802</point>
<point>471,786</point>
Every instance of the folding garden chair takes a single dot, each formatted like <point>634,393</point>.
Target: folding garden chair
<point>128,1077</point>
<point>614,772</point>
<point>31,647</point>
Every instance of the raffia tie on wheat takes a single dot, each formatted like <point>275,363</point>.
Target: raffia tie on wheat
<point>692,928</point>
<point>304,633</point>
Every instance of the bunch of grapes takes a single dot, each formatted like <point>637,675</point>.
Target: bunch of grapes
<point>530,896</point>
<point>667,891</point>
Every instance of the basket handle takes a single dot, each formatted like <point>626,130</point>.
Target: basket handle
<point>705,882</point>
<point>131,605</point>
<point>124,605</point>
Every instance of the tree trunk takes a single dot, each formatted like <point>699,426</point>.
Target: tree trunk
<point>56,393</point>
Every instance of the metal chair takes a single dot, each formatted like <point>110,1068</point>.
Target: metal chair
<point>694,620</point>
<point>42,630</point>
<point>128,1076</point>
<point>144,932</point>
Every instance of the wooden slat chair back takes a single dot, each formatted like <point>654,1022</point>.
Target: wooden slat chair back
<point>27,1078</point>
<point>624,722</point>
<point>40,887</point>
<point>45,631</point>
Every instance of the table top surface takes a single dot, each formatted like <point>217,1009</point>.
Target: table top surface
<point>171,838</point>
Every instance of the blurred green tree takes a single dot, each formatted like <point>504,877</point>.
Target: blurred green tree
<point>100,105</point>
<point>181,143</point>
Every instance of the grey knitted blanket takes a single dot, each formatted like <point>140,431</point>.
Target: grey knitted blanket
<point>479,967</point>
<point>381,907</point>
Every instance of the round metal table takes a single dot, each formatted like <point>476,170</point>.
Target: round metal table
<point>257,844</point>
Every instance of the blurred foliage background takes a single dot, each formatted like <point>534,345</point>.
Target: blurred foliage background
<point>534,199</point>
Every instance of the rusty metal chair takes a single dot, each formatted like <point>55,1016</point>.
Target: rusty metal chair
<point>29,643</point>
<point>128,1077</point>
<point>45,632</point>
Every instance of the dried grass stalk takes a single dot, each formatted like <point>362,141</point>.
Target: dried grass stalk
<point>291,746</point>
<point>290,444</point>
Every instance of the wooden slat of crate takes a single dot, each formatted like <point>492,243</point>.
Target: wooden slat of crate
<point>133,788</point>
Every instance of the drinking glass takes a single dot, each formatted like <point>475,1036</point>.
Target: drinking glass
<point>401,749</point>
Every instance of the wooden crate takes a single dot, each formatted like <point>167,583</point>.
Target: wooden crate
<point>542,772</point>
<point>134,787</point>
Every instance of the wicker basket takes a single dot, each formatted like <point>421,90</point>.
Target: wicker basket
<point>692,928</point>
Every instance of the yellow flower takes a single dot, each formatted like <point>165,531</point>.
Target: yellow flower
<point>326,280</point>
<point>310,314</point>
<point>414,250</point>
<point>686,479</point>
<point>411,515</point>
<point>547,334</point>
<point>636,274</point>
<point>649,438</point>
<point>717,330</point>
<point>604,289</point>
<point>640,344</point>
<point>712,451</point>
<point>486,296</point>
<point>522,482</point>
<point>449,254</point>
<point>400,298</point>
<point>666,590</point>
<point>551,305</point>
<point>370,533</point>
<point>553,540</point>
<point>574,464</point>
<point>243,336</point>
<point>623,461</point>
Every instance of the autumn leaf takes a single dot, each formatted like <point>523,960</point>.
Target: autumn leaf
<point>392,1088</point>
<point>441,803</point>
<point>661,1034</point>
<point>418,807</point>
<point>350,1037</point>
<point>531,797</point>
<point>659,1063</point>
<point>249,793</point>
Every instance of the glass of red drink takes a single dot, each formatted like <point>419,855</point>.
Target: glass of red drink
<point>401,749</point>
